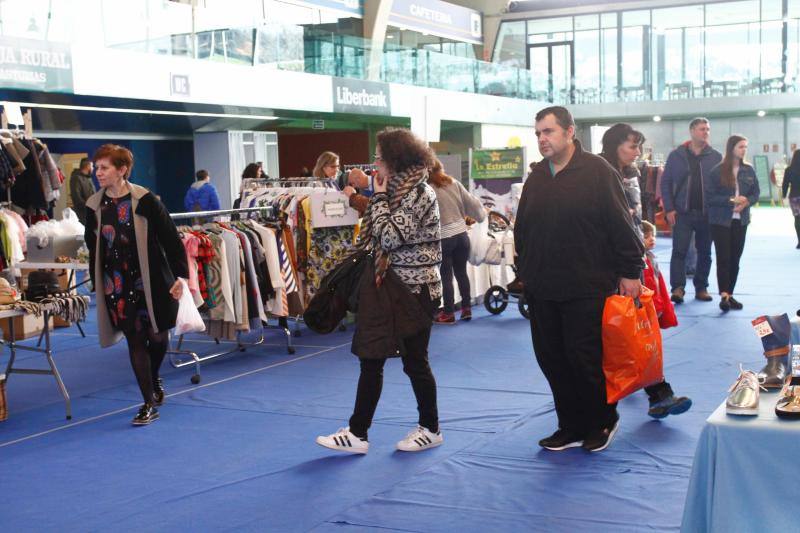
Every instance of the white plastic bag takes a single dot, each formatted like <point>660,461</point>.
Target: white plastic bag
<point>478,241</point>
<point>189,319</point>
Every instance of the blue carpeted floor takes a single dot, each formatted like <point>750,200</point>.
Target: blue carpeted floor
<point>237,452</point>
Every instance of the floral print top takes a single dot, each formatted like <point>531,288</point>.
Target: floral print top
<point>122,277</point>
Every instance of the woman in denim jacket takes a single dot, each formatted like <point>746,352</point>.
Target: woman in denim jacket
<point>731,189</point>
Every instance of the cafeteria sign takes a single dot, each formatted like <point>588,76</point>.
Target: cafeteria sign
<point>497,163</point>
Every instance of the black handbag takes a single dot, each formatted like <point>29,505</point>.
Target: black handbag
<point>41,284</point>
<point>337,294</point>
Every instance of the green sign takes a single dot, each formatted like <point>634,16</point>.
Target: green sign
<point>35,65</point>
<point>761,164</point>
<point>501,163</point>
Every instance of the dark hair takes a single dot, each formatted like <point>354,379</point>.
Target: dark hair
<point>402,150</point>
<point>562,114</point>
<point>726,167</point>
<point>615,136</point>
<point>698,120</point>
<point>201,175</point>
<point>437,176</point>
<point>250,171</point>
<point>84,161</point>
<point>118,155</point>
<point>794,166</point>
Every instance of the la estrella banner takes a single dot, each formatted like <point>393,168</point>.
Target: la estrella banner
<point>501,163</point>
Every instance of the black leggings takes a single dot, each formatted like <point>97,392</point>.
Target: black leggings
<point>416,367</point>
<point>455,251</point>
<point>729,245</point>
<point>797,229</point>
<point>147,350</point>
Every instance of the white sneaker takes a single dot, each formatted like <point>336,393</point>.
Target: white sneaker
<point>420,439</point>
<point>344,441</point>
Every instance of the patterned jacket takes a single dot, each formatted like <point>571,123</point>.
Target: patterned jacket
<point>411,237</point>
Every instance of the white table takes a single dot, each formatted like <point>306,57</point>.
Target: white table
<point>13,346</point>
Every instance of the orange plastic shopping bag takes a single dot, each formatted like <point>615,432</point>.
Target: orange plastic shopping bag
<point>632,352</point>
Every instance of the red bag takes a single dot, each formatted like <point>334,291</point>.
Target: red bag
<point>632,351</point>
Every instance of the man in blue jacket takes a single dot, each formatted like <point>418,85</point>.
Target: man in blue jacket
<point>682,193</point>
<point>202,195</point>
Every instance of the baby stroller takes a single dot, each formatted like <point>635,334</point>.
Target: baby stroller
<point>501,252</point>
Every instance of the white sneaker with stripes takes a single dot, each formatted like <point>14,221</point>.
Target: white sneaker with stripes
<point>420,439</point>
<point>344,441</point>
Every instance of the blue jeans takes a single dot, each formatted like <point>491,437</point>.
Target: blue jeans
<point>686,224</point>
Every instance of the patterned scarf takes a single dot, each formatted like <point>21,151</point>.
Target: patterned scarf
<point>398,186</point>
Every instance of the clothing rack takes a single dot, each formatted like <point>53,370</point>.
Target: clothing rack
<point>180,357</point>
<point>292,182</point>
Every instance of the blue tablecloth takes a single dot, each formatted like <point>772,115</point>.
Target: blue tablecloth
<point>746,471</point>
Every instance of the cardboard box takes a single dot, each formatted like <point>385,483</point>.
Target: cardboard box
<point>56,247</point>
<point>24,326</point>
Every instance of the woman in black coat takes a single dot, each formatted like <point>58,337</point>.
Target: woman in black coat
<point>398,292</point>
<point>136,256</point>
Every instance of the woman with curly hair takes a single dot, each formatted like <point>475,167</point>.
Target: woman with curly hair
<point>401,228</point>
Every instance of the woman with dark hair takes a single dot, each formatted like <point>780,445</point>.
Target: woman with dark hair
<point>791,187</point>
<point>622,145</point>
<point>455,204</point>
<point>730,190</point>
<point>136,256</point>
<point>251,172</point>
<point>401,228</point>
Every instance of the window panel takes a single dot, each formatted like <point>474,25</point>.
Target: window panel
<point>678,17</point>
<point>549,37</point>
<point>771,49</point>
<point>732,12</point>
<point>608,20</point>
<point>553,25</point>
<point>730,53</point>
<point>632,58</point>
<point>608,58</point>
<point>771,9</point>
<point>587,59</point>
<point>510,46</point>
<point>586,22</point>
<point>636,18</point>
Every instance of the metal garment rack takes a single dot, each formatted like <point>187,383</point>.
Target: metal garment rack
<point>179,357</point>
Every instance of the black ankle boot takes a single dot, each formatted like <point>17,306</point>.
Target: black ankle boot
<point>147,414</point>
<point>158,391</point>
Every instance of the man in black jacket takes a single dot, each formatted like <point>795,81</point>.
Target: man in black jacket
<point>576,246</point>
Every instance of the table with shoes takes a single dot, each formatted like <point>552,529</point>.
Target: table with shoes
<point>749,443</point>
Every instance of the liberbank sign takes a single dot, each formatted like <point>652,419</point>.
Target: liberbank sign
<point>362,97</point>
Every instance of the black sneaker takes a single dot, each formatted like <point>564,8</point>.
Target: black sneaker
<point>674,405</point>
<point>147,414</point>
<point>725,304</point>
<point>561,440</point>
<point>600,439</point>
<point>736,305</point>
<point>158,391</point>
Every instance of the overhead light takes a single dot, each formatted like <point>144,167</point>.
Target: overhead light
<point>761,113</point>
<point>657,118</point>
<point>390,36</point>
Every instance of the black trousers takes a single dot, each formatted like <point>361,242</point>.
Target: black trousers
<point>797,229</point>
<point>416,367</point>
<point>455,252</point>
<point>728,246</point>
<point>567,339</point>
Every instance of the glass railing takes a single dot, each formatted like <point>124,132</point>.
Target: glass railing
<point>309,50</point>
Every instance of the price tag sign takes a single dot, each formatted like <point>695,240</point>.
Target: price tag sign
<point>762,327</point>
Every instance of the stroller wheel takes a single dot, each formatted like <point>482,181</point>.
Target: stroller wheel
<point>524,309</point>
<point>496,299</point>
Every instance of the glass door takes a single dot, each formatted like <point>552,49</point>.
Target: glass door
<point>552,72</point>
